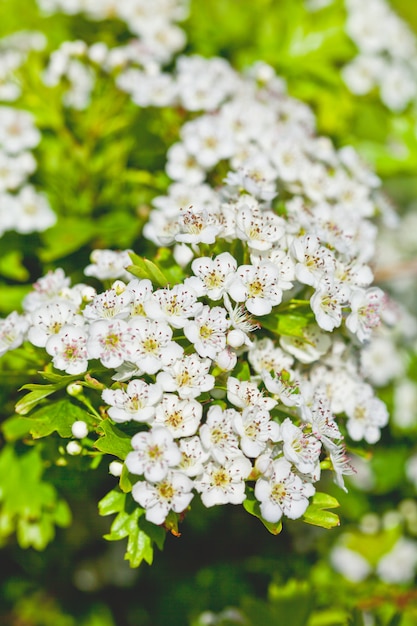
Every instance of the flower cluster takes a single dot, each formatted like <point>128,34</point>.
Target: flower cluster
<point>387,53</point>
<point>243,376</point>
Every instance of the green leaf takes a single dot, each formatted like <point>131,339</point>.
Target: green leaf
<point>128,523</point>
<point>40,392</point>
<point>143,268</point>
<point>316,513</point>
<point>251,505</point>
<point>113,441</point>
<point>113,502</point>
<point>67,236</point>
<point>58,417</point>
<point>288,324</point>
<point>29,506</point>
<point>16,427</point>
<point>30,400</point>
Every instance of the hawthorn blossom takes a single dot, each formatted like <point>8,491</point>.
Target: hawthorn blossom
<point>257,287</point>
<point>213,276</point>
<point>68,349</point>
<point>154,452</point>
<point>207,332</point>
<point>301,449</point>
<point>174,305</point>
<point>188,376</point>
<point>327,302</point>
<point>218,436</point>
<point>150,344</point>
<point>255,427</point>
<point>13,331</point>
<point>109,264</point>
<point>48,319</point>
<point>136,402</point>
<point>225,483</point>
<point>366,309</point>
<point>245,393</point>
<point>283,493</point>
<point>367,414</point>
<point>113,303</point>
<point>180,417</point>
<point>193,457</point>
<point>171,493</point>
<point>108,341</point>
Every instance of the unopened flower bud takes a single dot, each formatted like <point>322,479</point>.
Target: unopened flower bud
<point>236,338</point>
<point>226,359</point>
<point>74,389</point>
<point>73,448</point>
<point>115,468</point>
<point>79,429</point>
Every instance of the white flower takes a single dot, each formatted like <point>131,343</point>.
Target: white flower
<point>12,332</point>
<point>260,229</point>
<point>46,289</point>
<point>188,376</point>
<point>49,318</point>
<point>327,302</point>
<point>208,331</point>
<point>32,211</point>
<point>109,264</point>
<point>150,344</point>
<point>17,130</point>
<point>255,427</point>
<point>284,385</point>
<point>399,565</point>
<point>68,349</point>
<point>350,564</point>
<point>313,260</point>
<point>197,226</point>
<point>283,493</point>
<point>224,484</point>
<point>367,414</point>
<point>217,434</point>
<point>172,493</point>
<point>108,340</point>
<point>109,304</point>
<point>181,417</point>
<point>193,457</point>
<point>264,356</point>
<point>244,394</point>
<point>174,305</point>
<point>308,348</point>
<point>154,452</point>
<point>136,402</point>
<point>366,309</point>
<point>300,449</point>
<point>257,286</point>
<point>140,291</point>
<point>213,276</point>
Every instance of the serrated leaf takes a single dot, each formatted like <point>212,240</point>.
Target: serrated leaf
<point>112,502</point>
<point>251,505</point>
<point>57,417</point>
<point>113,441</point>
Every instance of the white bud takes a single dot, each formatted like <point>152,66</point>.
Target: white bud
<point>73,448</point>
<point>236,338</point>
<point>74,389</point>
<point>183,254</point>
<point>79,429</point>
<point>226,359</point>
<point>115,468</point>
